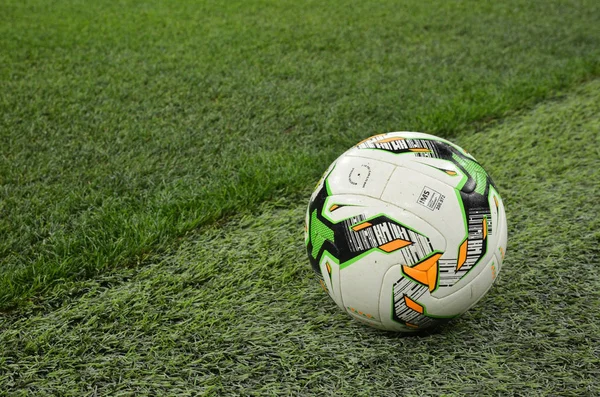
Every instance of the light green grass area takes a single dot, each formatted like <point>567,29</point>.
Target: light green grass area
<point>234,309</point>
<point>124,125</point>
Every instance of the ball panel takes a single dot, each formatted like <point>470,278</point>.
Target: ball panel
<point>470,293</point>
<point>361,176</point>
<point>339,207</point>
<point>429,199</point>
<point>403,147</point>
<point>330,275</point>
<point>361,283</point>
<point>442,170</point>
<point>397,312</point>
<point>501,245</point>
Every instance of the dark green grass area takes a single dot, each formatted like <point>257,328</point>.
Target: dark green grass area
<point>124,125</point>
<point>234,309</point>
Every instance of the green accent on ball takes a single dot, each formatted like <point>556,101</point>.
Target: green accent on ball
<point>462,182</point>
<point>464,213</point>
<point>319,232</point>
<point>475,170</point>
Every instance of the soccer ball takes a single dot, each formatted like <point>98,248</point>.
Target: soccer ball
<point>406,230</point>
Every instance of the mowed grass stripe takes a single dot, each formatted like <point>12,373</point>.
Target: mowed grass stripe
<point>124,125</point>
<point>236,310</point>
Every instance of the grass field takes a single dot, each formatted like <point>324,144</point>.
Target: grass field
<point>235,309</point>
<point>156,159</point>
<point>125,125</point>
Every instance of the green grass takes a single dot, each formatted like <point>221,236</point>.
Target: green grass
<point>234,309</point>
<point>125,125</point>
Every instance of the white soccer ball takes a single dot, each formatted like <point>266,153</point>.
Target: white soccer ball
<point>406,230</point>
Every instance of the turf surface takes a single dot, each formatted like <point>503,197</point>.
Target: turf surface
<point>234,309</point>
<point>124,125</point>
